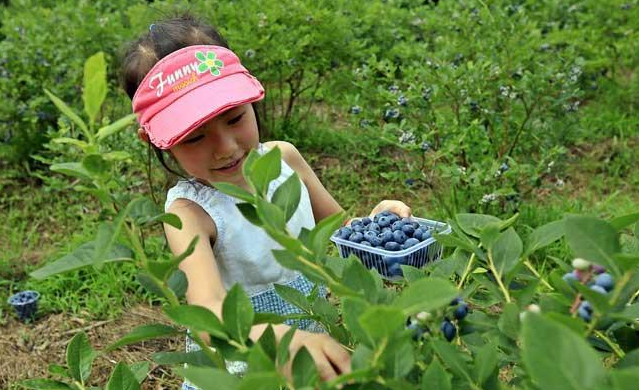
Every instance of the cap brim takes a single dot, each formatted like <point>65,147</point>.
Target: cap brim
<point>176,121</point>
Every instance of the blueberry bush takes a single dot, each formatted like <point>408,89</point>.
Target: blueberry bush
<point>481,318</point>
<point>489,97</point>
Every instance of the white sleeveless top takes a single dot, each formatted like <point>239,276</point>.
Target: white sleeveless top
<point>242,250</point>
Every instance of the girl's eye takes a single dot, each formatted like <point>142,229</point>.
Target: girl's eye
<point>194,139</point>
<point>236,119</point>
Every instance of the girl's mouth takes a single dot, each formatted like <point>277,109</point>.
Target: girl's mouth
<point>232,167</point>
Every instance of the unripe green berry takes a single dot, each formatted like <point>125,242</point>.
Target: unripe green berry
<point>580,264</point>
<point>424,316</point>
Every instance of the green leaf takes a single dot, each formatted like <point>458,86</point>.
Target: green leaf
<point>81,257</point>
<point>80,357</point>
<point>321,233</point>
<point>287,195</point>
<point>117,155</point>
<point>259,361</point>
<point>544,236</point>
<point>594,240</point>
<point>197,318</point>
<point>66,110</point>
<point>485,363</point>
<point>506,251</point>
<point>140,370</point>
<point>271,215</point>
<point>178,283</point>
<point>290,261</point>
<point>95,164</point>
<point>235,191</point>
<point>304,371</point>
<point>122,379</point>
<point>44,384</point>
<point>630,360</point>
<point>209,378</point>
<point>436,377</point>
<point>282,348</point>
<point>360,279</point>
<point>75,142</point>
<point>625,379</point>
<point>574,364</point>
<point>95,85</point>
<point>266,168</point>
<point>116,126</point>
<point>508,322</point>
<point>150,283</point>
<point>624,221</point>
<point>268,342</point>
<point>56,369</point>
<point>142,333</point>
<point>145,212</point>
<point>197,358</point>
<point>261,381</point>
<point>247,167</point>
<point>293,296</point>
<point>250,213</point>
<point>237,313</point>
<point>72,169</point>
<point>393,321</point>
<point>352,310</point>
<point>425,295</point>
<point>473,224</point>
<point>451,357</point>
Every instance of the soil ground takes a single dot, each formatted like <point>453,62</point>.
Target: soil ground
<point>26,349</point>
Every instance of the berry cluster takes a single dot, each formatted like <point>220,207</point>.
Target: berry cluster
<point>25,304</point>
<point>593,276</point>
<point>386,231</point>
<point>419,325</point>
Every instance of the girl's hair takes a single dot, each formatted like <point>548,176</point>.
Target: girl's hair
<point>163,38</point>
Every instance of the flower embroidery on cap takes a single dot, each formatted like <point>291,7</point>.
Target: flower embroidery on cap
<point>209,61</point>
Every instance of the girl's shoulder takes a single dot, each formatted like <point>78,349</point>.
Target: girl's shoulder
<point>291,156</point>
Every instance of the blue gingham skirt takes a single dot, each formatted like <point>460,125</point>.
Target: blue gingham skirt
<point>269,302</point>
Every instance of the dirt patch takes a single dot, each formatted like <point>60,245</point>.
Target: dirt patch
<point>28,349</point>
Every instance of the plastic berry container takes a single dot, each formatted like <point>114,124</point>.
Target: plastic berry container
<point>25,304</point>
<point>388,262</point>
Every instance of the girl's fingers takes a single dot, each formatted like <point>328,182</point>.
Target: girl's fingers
<point>324,367</point>
<point>396,206</point>
<point>340,358</point>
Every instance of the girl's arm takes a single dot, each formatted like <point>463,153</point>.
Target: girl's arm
<point>205,288</point>
<point>322,201</point>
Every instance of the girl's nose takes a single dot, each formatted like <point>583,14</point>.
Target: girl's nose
<point>223,147</point>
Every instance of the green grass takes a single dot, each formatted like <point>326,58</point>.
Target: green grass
<point>44,225</point>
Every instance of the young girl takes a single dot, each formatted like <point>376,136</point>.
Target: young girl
<point>195,101</point>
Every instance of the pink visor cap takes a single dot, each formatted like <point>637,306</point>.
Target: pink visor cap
<point>187,88</point>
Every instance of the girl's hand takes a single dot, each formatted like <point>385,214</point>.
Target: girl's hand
<point>331,359</point>
<point>395,206</point>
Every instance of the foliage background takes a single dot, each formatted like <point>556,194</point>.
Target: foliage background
<point>333,70</point>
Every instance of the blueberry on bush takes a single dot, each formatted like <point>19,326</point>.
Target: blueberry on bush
<point>585,311</point>
<point>449,330</point>
<point>604,281</point>
<point>391,114</point>
<point>461,311</point>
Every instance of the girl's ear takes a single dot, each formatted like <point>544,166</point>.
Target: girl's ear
<point>143,135</point>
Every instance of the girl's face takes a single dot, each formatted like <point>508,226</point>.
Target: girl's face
<point>223,140</point>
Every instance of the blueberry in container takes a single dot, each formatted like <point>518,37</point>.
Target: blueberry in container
<point>411,243</point>
<point>25,304</point>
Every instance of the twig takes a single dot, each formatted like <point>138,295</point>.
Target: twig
<point>88,327</point>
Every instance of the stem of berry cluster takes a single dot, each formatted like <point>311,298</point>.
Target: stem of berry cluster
<point>618,351</point>
<point>503,288</point>
<point>537,274</point>
<point>466,271</point>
